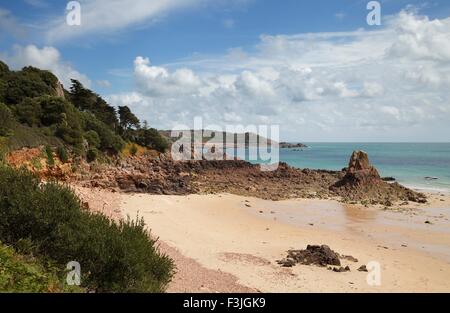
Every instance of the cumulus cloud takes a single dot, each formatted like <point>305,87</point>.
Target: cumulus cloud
<point>157,81</point>
<point>46,58</point>
<point>358,85</point>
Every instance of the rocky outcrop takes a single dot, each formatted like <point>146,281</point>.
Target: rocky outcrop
<point>313,255</point>
<point>159,174</point>
<point>362,182</point>
<point>360,172</point>
<point>59,90</point>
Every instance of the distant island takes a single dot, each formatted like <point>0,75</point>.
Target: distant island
<point>288,145</point>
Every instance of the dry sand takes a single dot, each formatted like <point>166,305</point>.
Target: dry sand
<point>239,239</point>
<point>228,243</point>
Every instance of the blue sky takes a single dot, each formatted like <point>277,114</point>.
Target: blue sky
<point>210,39</point>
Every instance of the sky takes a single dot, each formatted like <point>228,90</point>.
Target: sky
<point>315,68</point>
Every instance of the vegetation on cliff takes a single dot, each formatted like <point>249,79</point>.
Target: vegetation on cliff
<point>35,110</point>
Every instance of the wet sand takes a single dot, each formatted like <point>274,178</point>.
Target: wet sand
<point>242,238</point>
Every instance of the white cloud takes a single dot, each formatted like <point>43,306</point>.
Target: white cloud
<point>46,58</point>
<point>110,16</point>
<point>159,82</point>
<point>390,84</point>
<point>104,16</point>
<point>421,38</point>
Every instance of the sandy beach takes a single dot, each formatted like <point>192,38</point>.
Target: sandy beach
<point>229,243</point>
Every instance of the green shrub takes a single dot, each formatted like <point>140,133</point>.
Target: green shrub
<point>91,155</point>
<point>62,154</point>
<point>29,111</point>
<point>28,83</point>
<point>113,257</point>
<point>108,139</point>
<point>31,137</point>
<point>6,121</point>
<point>92,138</point>
<point>49,155</point>
<point>133,150</point>
<point>26,274</point>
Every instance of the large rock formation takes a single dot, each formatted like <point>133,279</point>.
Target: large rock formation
<point>360,171</point>
<point>363,182</point>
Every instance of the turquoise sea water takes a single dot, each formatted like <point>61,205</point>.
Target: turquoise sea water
<point>409,163</point>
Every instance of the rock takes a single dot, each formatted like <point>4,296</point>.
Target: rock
<point>349,258</point>
<point>340,269</point>
<point>316,255</point>
<point>287,262</point>
<point>362,268</point>
<point>360,170</point>
<point>389,179</point>
<point>59,89</point>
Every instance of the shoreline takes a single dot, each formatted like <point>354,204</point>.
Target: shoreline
<point>226,238</point>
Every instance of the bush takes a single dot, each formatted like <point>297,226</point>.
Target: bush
<point>153,139</point>
<point>92,138</point>
<point>26,274</point>
<point>108,139</point>
<point>113,257</point>
<point>49,155</point>
<point>29,111</point>
<point>133,150</point>
<point>6,121</point>
<point>91,155</point>
<point>62,154</point>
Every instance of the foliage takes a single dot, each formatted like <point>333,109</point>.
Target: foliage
<point>92,138</point>
<point>4,69</point>
<point>91,155</point>
<point>31,137</point>
<point>6,121</point>
<point>28,83</point>
<point>86,100</point>
<point>62,154</point>
<point>128,120</point>
<point>26,274</point>
<point>49,155</point>
<point>153,139</point>
<point>113,257</point>
<point>108,139</point>
<point>133,150</point>
<point>83,120</point>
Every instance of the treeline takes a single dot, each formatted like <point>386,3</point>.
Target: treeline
<point>34,104</point>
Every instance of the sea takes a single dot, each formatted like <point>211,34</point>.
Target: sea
<point>424,166</point>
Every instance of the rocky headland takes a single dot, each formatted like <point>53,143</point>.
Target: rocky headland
<point>160,175</point>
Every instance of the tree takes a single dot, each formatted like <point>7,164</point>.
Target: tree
<point>3,68</point>
<point>30,82</point>
<point>152,138</point>
<point>127,119</point>
<point>86,100</point>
